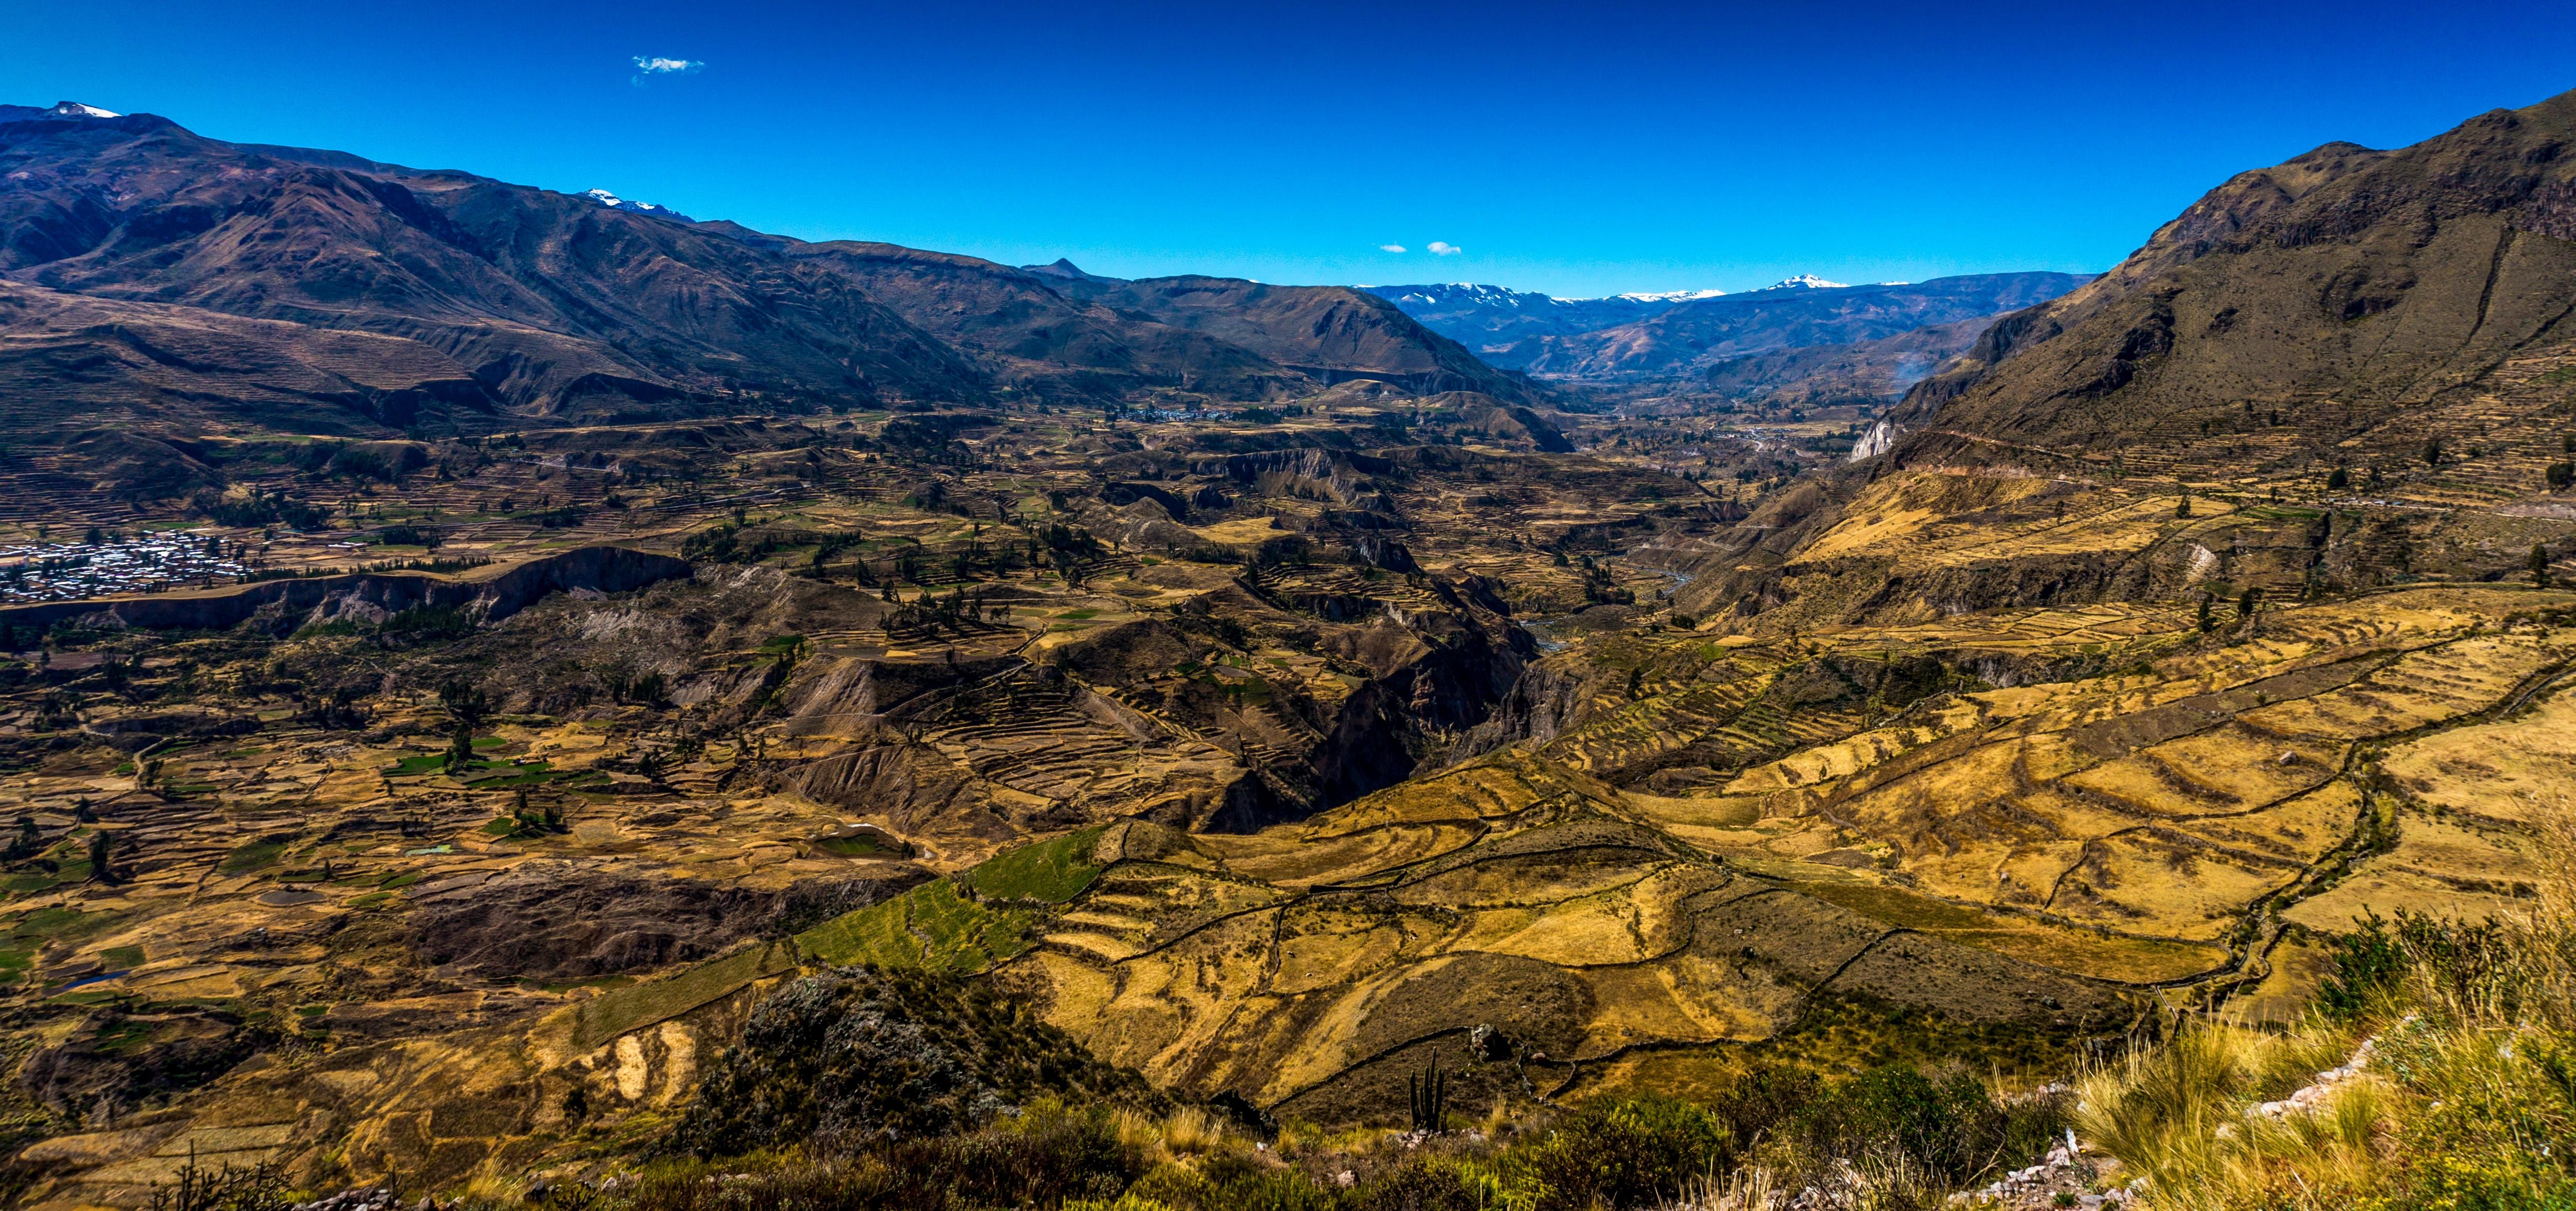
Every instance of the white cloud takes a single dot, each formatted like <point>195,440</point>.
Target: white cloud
<point>1444,248</point>
<point>649,66</point>
<point>1390,248</point>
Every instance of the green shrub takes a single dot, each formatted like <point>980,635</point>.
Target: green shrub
<point>1228,1181</point>
<point>854,1055</point>
<point>1623,1154</point>
<point>1951,1129</point>
<point>1422,1185</point>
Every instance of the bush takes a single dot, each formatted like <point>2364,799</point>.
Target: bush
<point>857,1054</point>
<point>1624,1154</point>
<point>1230,1181</point>
<point>1045,1159</point>
<point>1951,1129</point>
<point>1423,1185</point>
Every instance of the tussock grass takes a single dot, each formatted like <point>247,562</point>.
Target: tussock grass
<point>2466,1102</point>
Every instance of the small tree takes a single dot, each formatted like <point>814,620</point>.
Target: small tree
<point>2432,451</point>
<point>27,843</point>
<point>2561,476</point>
<point>102,857</point>
<point>460,748</point>
<point>2208,618</point>
<point>2339,480</point>
<point>468,706</point>
<point>2540,565</point>
<point>2182,506</point>
<point>2246,601</point>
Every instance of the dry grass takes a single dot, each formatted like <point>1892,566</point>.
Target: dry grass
<point>2465,1101</point>
<point>1185,1134</point>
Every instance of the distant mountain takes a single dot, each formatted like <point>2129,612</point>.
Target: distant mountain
<point>1809,281</point>
<point>2344,308</point>
<point>1692,339</point>
<point>1032,337</point>
<point>614,202</point>
<point>149,274</point>
<point>1062,268</point>
<point>1815,340</point>
<point>1489,319</point>
<point>323,292</point>
<point>1331,333</point>
<point>1874,372</point>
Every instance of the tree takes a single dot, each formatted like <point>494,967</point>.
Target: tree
<point>2208,622</point>
<point>2182,505</point>
<point>468,707</point>
<point>2339,480</point>
<point>460,748</point>
<point>2246,601</point>
<point>464,703</point>
<point>2432,451</point>
<point>2540,565</point>
<point>2561,476</point>
<point>27,843</point>
<point>102,857</point>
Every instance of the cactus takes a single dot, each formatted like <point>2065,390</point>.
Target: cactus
<point>1429,1094</point>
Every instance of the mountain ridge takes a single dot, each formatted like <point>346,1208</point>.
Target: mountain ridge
<point>507,304</point>
<point>2339,308</point>
<point>1635,338</point>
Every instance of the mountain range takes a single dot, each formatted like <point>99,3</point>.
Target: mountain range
<point>1693,335</point>
<point>150,274</point>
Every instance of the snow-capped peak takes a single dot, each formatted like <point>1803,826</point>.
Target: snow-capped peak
<point>1807,281</point>
<point>1669,296</point>
<point>74,109</point>
<point>614,202</point>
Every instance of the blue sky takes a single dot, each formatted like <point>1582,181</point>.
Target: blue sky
<point>1578,149</point>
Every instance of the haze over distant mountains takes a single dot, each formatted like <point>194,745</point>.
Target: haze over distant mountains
<point>1691,335</point>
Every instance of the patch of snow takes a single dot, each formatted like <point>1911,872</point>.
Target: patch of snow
<point>1669,296</point>
<point>74,109</point>
<point>614,202</point>
<point>1807,281</point>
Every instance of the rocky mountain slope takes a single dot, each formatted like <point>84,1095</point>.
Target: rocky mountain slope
<point>1332,333</point>
<point>1034,336</point>
<point>2341,309</point>
<point>480,297</point>
<point>151,274</point>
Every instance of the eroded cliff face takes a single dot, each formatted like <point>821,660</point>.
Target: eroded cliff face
<point>1166,717</point>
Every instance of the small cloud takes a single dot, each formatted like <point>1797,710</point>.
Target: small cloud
<point>649,66</point>
<point>1444,248</point>
<point>1390,248</point>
